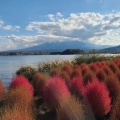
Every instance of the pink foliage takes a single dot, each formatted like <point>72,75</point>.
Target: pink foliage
<point>67,68</point>
<point>21,81</point>
<point>93,67</point>
<point>76,86</point>
<point>97,96</point>
<point>101,64</point>
<point>55,91</point>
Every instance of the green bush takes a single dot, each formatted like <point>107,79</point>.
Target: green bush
<point>27,71</point>
<point>89,58</point>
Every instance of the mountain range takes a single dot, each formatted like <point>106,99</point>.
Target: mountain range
<point>59,46</point>
<point>115,49</point>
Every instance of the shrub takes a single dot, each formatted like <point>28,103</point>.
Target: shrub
<point>55,72</point>
<point>85,69</point>
<point>21,81</point>
<point>20,97</point>
<point>27,71</point>
<point>107,70</point>
<point>76,86</point>
<point>76,72</point>
<point>45,67</point>
<point>66,77</point>
<point>67,68</point>
<point>96,95</point>
<point>55,91</point>
<point>113,67</point>
<point>118,75</point>
<point>93,67</point>
<point>89,76</point>
<point>71,109</point>
<point>101,64</point>
<point>39,81</point>
<point>113,86</point>
<point>17,113</point>
<point>101,75</point>
<point>1,90</point>
<point>76,66</point>
<point>115,113</point>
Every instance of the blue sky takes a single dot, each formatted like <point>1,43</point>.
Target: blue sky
<point>25,23</point>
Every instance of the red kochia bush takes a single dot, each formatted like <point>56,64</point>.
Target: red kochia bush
<point>93,67</point>
<point>55,91</point>
<point>97,96</point>
<point>67,68</point>
<point>21,81</point>
<point>39,81</point>
<point>55,72</point>
<point>76,86</point>
<point>115,114</point>
<point>1,90</point>
<point>113,86</point>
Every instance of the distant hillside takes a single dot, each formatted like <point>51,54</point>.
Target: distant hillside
<point>59,46</point>
<point>115,49</point>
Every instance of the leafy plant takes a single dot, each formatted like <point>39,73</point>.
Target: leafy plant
<point>55,91</point>
<point>21,81</point>
<point>27,71</point>
<point>96,95</point>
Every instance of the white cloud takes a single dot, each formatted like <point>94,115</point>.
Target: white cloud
<point>59,14</point>
<point>8,27</point>
<point>51,17</point>
<point>82,26</point>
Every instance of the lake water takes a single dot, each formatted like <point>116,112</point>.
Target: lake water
<point>9,64</point>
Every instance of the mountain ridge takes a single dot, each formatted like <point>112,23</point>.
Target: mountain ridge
<point>60,46</point>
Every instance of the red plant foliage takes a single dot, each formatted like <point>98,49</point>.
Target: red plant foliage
<point>39,81</point>
<point>89,76</point>
<point>113,66</point>
<point>115,113</point>
<point>85,69</point>
<point>1,90</point>
<point>76,86</point>
<point>83,65</point>
<point>76,66</point>
<point>118,75</point>
<point>101,64</point>
<point>66,77</point>
<point>67,68</point>
<point>55,72</point>
<point>101,75</point>
<point>96,95</point>
<point>76,72</point>
<point>93,67</point>
<point>21,81</point>
<point>113,86</point>
<point>107,70</point>
<point>55,91</point>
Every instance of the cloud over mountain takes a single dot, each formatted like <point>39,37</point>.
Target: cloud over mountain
<point>89,27</point>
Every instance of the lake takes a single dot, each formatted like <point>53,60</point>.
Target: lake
<point>10,64</point>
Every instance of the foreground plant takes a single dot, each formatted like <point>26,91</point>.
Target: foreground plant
<point>21,81</point>
<point>115,114</point>
<point>55,91</point>
<point>71,109</point>
<point>17,113</point>
<point>1,90</point>
<point>96,96</point>
<point>77,86</point>
<point>39,82</point>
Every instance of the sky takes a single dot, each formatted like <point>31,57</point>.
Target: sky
<point>26,23</point>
